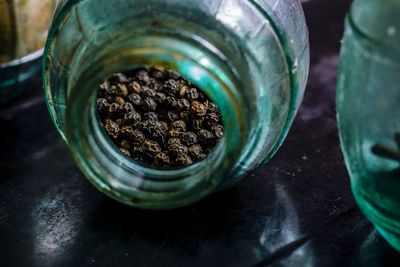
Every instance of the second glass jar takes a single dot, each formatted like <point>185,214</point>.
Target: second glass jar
<point>250,57</point>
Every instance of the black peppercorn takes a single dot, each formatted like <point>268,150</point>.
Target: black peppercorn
<point>179,125</point>
<point>136,88</point>
<point>102,106</point>
<point>177,149</point>
<point>198,109</point>
<point>112,128</point>
<point>162,159</point>
<point>205,136</point>
<point>183,160</point>
<point>151,147</point>
<point>171,102</point>
<point>172,116</point>
<point>157,117</point>
<point>189,138</point>
<point>171,87</point>
<point>183,104</point>
<point>135,99</point>
<point>151,116</point>
<point>122,90</point>
<point>149,104</point>
<point>193,94</point>
<point>159,97</point>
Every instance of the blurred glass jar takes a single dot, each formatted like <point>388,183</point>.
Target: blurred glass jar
<point>368,102</point>
<point>250,57</point>
<point>23,32</point>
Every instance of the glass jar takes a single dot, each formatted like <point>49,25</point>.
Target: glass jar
<point>23,32</point>
<point>250,57</point>
<point>368,111</point>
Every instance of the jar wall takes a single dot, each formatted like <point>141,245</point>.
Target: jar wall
<point>244,55</point>
<point>368,111</point>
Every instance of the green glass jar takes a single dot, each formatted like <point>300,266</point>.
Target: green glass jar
<point>23,32</point>
<point>368,101</point>
<point>250,57</point>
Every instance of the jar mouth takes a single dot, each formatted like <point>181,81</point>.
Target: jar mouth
<point>129,181</point>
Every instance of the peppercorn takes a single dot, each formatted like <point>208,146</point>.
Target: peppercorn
<point>138,137</point>
<point>135,99</point>
<point>151,147</point>
<point>171,87</point>
<point>198,109</point>
<point>197,124</point>
<point>125,144</point>
<point>212,119</point>
<point>127,108</point>
<point>105,85</point>
<point>218,131</point>
<point>193,94</point>
<point>122,90</point>
<point>102,105</point>
<point>177,149</point>
<point>114,109</point>
<point>183,92</point>
<point>120,100</point>
<point>136,87</point>
<point>183,104</point>
<point>151,116</point>
<point>185,116</point>
<point>158,73</point>
<point>179,125</point>
<point>112,128</point>
<point>157,117</point>
<point>159,97</point>
<point>205,136</point>
<point>162,159</point>
<point>174,141</point>
<point>172,116</point>
<point>189,138</point>
<point>149,104</point>
<point>118,78</point>
<point>174,133</point>
<point>143,77</point>
<point>171,102</point>
<point>163,126</point>
<point>149,93</point>
<point>195,151</point>
<point>183,160</point>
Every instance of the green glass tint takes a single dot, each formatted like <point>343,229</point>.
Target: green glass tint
<point>250,57</point>
<point>368,110</point>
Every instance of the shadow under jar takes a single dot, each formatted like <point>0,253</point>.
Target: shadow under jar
<point>250,58</point>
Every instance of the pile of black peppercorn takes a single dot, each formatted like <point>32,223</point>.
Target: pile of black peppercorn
<point>157,117</point>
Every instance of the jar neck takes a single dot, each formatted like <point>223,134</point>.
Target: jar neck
<point>147,187</point>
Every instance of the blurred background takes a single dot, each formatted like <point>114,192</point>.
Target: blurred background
<point>296,211</point>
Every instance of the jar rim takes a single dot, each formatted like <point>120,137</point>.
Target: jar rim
<point>104,164</point>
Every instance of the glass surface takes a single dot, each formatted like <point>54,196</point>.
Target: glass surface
<point>368,111</point>
<point>23,31</point>
<point>250,57</point>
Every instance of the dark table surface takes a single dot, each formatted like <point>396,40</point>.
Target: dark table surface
<point>296,211</point>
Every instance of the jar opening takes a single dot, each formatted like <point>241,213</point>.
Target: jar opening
<point>114,173</point>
